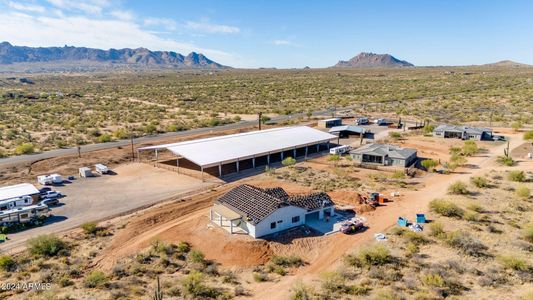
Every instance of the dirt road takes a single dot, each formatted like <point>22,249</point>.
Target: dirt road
<point>379,221</point>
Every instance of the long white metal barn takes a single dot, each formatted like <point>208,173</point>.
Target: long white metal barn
<point>249,149</point>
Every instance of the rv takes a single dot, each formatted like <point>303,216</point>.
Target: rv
<point>101,169</point>
<point>44,180</point>
<point>50,179</point>
<point>361,121</point>
<point>23,214</point>
<point>15,202</point>
<point>339,150</point>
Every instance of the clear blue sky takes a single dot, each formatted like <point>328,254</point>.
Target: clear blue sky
<point>283,33</point>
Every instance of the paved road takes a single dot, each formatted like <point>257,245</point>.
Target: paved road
<point>6,162</point>
<point>14,160</point>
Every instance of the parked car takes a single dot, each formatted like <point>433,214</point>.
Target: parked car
<point>50,202</point>
<point>44,190</point>
<point>51,195</point>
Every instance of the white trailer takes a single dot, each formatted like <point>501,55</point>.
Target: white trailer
<point>339,150</point>
<point>44,180</point>
<point>56,178</point>
<point>102,169</point>
<point>15,202</point>
<point>85,172</point>
<point>23,214</point>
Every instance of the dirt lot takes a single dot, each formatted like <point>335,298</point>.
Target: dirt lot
<point>134,185</point>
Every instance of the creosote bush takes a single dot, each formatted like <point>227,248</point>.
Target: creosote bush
<point>458,188</point>
<point>513,262</point>
<point>46,245</point>
<point>446,208</point>
<point>95,279</point>
<point>7,263</point>
<point>527,232</point>
<point>518,176</point>
<point>480,182</point>
<point>523,192</point>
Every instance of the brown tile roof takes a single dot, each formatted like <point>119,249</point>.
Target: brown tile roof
<point>255,204</point>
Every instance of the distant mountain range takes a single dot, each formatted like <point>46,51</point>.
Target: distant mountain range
<point>372,60</point>
<point>140,57</point>
<point>507,63</point>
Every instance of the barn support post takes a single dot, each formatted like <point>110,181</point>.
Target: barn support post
<point>281,154</point>
<point>211,215</point>
<point>219,170</point>
<point>231,226</point>
<point>202,169</point>
<point>268,159</point>
<point>253,162</point>
<point>317,148</point>
<point>306,150</point>
<point>327,145</point>
<point>156,155</point>
<point>238,166</point>
<point>178,163</point>
<point>294,153</point>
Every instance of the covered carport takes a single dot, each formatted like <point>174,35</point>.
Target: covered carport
<point>226,217</point>
<point>223,155</point>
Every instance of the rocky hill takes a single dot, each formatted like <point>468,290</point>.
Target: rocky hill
<point>142,57</point>
<point>372,60</point>
<point>507,63</point>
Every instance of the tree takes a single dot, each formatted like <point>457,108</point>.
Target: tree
<point>470,148</point>
<point>265,119</point>
<point>516,125</point>
<point>289,161</point>
<point>429,164</point>
<point>26,148</point>
<point>104,138</point>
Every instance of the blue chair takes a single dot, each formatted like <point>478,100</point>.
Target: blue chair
<point>402,221</point>
<point>420,218</point>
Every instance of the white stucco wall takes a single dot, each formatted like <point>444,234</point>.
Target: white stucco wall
<point>284,215</point>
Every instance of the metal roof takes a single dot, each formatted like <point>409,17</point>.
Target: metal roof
<point>351,128</point>
<point>385,150</point>
<point>210,152</point>
<point>19,190</point>
<point>330,119</point>
<point>459,128</point>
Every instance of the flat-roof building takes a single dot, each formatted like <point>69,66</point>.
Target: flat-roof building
<point>249,149</point>
<point>463,132</point>
<point>19,190</point>
<point>384,154</point>
<point>347,130</point>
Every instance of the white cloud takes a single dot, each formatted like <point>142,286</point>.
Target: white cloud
<point>169,24</point>
<point>26,7</point>
<point>125,15</point>
<point>27,30</point>
<point>211,28</point>
<point>288,43</point>
<point>87,6</point>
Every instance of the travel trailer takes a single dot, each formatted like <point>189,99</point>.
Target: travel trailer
<point>50,179</point>
<point>15,202</point>
<point>23,214</point>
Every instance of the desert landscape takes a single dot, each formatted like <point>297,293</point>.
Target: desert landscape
<point>284,150</point>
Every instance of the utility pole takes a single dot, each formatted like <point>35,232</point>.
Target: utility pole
<point>132,151</point>
<point>490,119</point>
<point>260,119</point>
<point>79,151</point>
